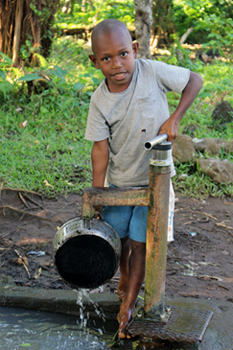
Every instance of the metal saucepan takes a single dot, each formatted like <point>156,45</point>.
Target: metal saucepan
<point>86,252</point>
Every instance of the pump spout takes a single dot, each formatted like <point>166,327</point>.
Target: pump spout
<point>154,142</point>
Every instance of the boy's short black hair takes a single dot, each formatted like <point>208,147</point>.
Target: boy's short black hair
<point>105,26</point>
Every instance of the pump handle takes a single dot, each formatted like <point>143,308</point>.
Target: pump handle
<point>154,142</point>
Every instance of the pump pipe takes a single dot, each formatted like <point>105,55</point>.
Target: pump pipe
<point>155,141</point>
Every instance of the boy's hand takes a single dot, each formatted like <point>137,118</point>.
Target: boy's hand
<point>190,92</point>
<point>171,128</point>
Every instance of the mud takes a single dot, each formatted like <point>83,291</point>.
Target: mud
<point>199,261</point>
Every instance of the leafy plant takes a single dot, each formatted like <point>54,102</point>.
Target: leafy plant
<point>90,13</point>
<point>207,17</point>
<point>180,56</point>
<point>5,85</point>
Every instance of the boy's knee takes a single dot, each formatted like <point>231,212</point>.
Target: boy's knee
<point>138,246</point>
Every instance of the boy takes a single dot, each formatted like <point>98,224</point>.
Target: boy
<point>128,108</point>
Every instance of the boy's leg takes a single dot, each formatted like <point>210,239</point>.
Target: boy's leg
<point>124,268</point>
<point>135,281</point>
<point>137,234</point>
<point>119,218</point>
<point>132,222</point>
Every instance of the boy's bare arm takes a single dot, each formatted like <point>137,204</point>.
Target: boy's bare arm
<point>100,158</point>
<point>190,92</point>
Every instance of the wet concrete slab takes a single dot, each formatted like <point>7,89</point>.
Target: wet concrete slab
<point>60,301</point>
<point>218,336</point>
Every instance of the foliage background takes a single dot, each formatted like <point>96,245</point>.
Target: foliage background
<point>43,108</point>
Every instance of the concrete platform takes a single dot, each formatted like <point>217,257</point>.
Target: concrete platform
<point>219,334</point>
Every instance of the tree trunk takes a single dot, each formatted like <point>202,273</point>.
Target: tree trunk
<point>28,23</point>
<point>143,23</point>
<point>16,40</point>
<point>7,14</point>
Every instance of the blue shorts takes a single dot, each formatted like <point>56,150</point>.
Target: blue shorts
<point>132,221</point>
<point>127,221</point>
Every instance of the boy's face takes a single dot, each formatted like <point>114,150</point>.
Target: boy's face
<point>114,54</point>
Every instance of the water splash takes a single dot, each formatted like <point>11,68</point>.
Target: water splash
<point>83,319</point>
<point>84,293</point>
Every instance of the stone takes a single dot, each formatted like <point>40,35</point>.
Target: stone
<point>200,145</point>
<point>228,147</point>
<point>212,150</point>
<point>213,146</point>
<point>190,130</point>
<point>220,171</point>
<point>223,113</point>
<point>183,150</point>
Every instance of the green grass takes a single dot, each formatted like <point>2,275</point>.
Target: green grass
<point>49,155</point>
<point>218,86</point>
<point>190,182</point>
<point>50,148</point>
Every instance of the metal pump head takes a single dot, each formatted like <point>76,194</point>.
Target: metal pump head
<point>162,147</point>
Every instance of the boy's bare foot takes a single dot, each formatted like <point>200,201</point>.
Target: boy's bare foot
<point>124,317</point>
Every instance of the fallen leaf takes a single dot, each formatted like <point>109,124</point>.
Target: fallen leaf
<point>18,261</point>
<point>47,184</point>
<point>41,213</point>
<point>23,124</point>
<point>25,260</point>
<point>212,277</point>
<point>26,240</point>
<point>69,183</point>
<point>21,260</point>
<point>37,275</point>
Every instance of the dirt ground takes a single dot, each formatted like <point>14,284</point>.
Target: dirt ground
<point>199,260</point>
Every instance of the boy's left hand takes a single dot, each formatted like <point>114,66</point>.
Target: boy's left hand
<point>189,93</point>
<point>171,128</point>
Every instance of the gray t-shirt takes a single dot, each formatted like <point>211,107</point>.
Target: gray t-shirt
<point>130,118</point>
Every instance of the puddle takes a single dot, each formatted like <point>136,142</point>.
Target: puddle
<point>37,330</point>
<point>22,328</point>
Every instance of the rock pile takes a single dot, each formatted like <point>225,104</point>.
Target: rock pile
<point>205,153</point>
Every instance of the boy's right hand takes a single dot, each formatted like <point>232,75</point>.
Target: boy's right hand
<point>98,212</point>
<point>99,157</point>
